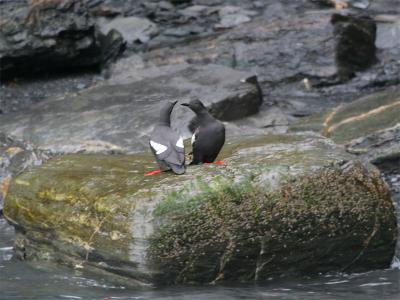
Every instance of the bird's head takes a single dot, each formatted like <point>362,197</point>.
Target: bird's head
<point>196,105</point>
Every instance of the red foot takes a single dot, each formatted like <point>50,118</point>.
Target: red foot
<point>218,162</point>
<point>152,173</point>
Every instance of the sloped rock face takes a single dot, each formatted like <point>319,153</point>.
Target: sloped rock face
<point>380,148</point>
<point>301,59</point>
<point>368,127</point>
<point>118,117</point>
<point>52,35</point>
<point>279,205</point>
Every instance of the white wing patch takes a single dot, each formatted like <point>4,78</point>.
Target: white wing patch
<point>179,143</point>
<point>193,138</point>
<point>158,147</point>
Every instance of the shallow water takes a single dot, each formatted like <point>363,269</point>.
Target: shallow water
<point>22,280</point>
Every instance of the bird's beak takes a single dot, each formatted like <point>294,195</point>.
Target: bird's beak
<point>185,104</point>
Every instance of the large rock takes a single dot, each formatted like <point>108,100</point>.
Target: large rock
<point>279,205</point>
<point>368,127</point>
<point>118,116</point>
<point>53,35</point>
<point>355,44</point>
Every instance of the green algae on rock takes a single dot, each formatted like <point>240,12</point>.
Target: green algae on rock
<point>240,231</point>
<point>279,205</point>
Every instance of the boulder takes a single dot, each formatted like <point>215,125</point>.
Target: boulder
<point>51,35</point>
<point>119,115</point>
<point>368,127</point>
<point>355,43</point>
<point>280,205</point>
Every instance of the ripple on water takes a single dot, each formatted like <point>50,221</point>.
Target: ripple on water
<point>375,284</point>
<point>336,282</point>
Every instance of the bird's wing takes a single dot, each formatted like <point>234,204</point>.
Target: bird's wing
<point>157,147</point>
<point>179,143</point>
<point>193,138</point>
<point>167,146</point>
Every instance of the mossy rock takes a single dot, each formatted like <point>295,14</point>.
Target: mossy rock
<point>357,119</point>
<point>279,205</point>
<point>369,127</point>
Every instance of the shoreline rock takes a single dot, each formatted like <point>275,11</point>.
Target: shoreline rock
<point>367,127</point>
<point>279,205</point>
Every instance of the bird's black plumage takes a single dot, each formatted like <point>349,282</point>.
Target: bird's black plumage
<point>166,144</point>
<point>209,136</point>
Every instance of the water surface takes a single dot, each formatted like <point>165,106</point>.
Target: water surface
<point>23,280</point>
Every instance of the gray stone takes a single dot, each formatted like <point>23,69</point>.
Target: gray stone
<point>51,35</point>
<point>133,29</point>
<point>287,48</point>
<point>388,34</point>
<point>380,148</point>
<point>232,20</point>
<point>197,11</point>
<point>231,16</point>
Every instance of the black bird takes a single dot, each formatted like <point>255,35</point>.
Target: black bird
<point>209,136</point>
<point>166,144</point>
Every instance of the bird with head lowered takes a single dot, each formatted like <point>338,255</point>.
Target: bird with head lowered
<point>165,143</point>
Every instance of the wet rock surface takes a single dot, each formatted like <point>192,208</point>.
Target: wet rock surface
<point>119,116</point>
<point>52,35</point>
<point>380,148</point>
<point>260,214</point>
<point>289,45</point>
<point>300,77</point>
<point>368,127</point>
<point>133,29</point>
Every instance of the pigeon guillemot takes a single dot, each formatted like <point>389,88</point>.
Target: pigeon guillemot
<point>209,136</point>
<point>166,144</point>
